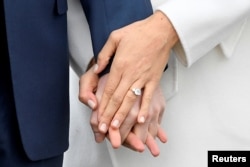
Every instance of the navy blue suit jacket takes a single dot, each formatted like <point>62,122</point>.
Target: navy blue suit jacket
<point>38,51</point>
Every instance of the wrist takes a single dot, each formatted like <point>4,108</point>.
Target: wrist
<point>165,26</point>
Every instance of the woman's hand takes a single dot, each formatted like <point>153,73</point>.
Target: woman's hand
<point>145,132</point>
<point>141,53</point>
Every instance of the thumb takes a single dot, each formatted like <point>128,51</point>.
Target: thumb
<point>106,53</point>
<point>87,87</point>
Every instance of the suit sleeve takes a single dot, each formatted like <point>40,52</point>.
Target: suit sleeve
<point>202,25</point>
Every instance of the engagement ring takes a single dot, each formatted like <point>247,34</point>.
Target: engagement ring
<point>137,91</point>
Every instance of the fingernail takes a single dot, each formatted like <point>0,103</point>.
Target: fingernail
<point>103,127</point>
<point>95,68</point>
<point>115,123</point>
<point>142,119</point>
<point>91,104</point>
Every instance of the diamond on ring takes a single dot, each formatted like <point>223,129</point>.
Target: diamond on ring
<point>137,91</point>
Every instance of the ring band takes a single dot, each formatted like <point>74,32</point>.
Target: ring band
<point>136,91</point>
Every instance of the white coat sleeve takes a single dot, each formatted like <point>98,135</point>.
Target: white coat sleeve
<point>203,24</point>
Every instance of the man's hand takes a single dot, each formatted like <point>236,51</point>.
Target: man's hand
<point>131,134</point>
<point>141,53</point>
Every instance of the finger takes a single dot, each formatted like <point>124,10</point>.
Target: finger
<point>162,103</point>
<point>87,86</point>
<point>141,131</point>
<point>152,146</point>
<point>99,137</point>
<point>146,101</point>
<point>134,143</point>
<point>110,86</point>
<point>114,137</point>
<point>162,135</point>
<point>107,52</point>
<point>127,105</point>
<point>130,120</point>
<point>114,99</point>
<point>154,127</point>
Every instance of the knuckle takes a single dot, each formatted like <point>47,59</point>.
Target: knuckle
<point>147,99</point>
<point>121,115</point>
<point>133,113</point>
<point>120,65</point>
<point>130,97</point>
<point>103,58</point>
<point>82,97</point>
<point>107,117</point>
<point>109,90</point>
<point>116,100</point>
<point>157,109</point>
<point>149,114</point>
<point>114,36</point>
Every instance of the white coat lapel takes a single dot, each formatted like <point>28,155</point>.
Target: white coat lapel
<point>229,44</point>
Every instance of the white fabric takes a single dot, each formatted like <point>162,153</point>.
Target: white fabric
<point>202,25</point>
<point>208,104</point>
<point>210,111</point>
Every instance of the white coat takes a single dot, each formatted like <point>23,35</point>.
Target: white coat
<point>208,103</point>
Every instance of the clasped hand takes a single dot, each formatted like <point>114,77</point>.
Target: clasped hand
<point>141,52</point>
<point>131,134</point>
